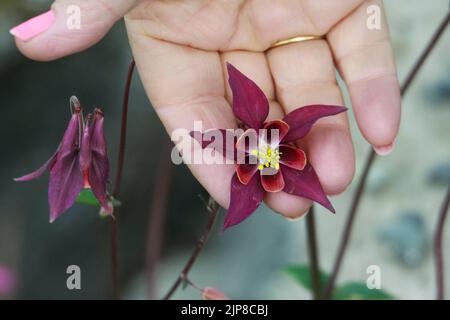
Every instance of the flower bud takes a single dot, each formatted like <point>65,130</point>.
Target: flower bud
<point>209,293</point>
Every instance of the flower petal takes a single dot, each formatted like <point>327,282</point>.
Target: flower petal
<point>98,178</point>
<point>247,142</point>
<point>66,182</point>
<point>67,145</point>
<point>273,137</point>
<point>292,156</point>
<point>99,167</point>
<point>272,182</point>
<point>305,183</point>
<point>221,140</point>
<point>250,105</point>
<point>36,174</point>
<point>98,141</point>
<point>70,140</point>
<point>246,171</point>
<point>85,149</point>
<point>244,200</point>
<point>302,119</point>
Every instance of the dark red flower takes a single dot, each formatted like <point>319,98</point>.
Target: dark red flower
<point>271,161</point>
<point>80,161</point>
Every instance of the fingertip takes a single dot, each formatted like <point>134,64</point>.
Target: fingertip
<point>377,108</point>
<point>289,206</point>
<point>64,30</point>
<point>33,29</point>
<point>30,51</point>
<point>216,179</point>
<point>385,150</point>
<point>331,153</point>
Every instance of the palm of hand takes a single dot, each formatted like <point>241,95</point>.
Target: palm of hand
<point>181,49</point>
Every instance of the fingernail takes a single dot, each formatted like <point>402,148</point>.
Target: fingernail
<point>296,218</point>
<point>292,219</point>
<point>384,150</point>
<point>33,27</point>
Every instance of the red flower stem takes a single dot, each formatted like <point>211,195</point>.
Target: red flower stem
<point>213,208</point>
<point>439,259</point>
<point>313,254</point>
<point>348,225</point>
<point>123,130</point>
<point>157,220</point>
<point>426,52</point>
<point>117,184</point>
<point>370,159</point>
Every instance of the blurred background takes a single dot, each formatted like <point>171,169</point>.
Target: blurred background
<point>393,230</point>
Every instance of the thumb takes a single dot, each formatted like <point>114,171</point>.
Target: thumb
<point>68,27</point>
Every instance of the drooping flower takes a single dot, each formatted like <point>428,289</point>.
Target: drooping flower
<point>272,162</point>
<point>94,158</point>
<point>80,161</point>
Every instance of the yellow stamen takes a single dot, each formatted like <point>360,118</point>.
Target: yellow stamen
<point>267,156</point>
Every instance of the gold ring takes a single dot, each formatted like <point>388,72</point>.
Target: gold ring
<point>294,40</point>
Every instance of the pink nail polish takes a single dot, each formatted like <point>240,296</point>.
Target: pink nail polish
<point>33,27</point>
<point>385,150</point>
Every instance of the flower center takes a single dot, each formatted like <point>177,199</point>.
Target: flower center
<point>268,157</point>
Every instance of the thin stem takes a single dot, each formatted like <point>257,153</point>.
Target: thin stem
<point>313,254</point>
<point>115,260</point>
<point>157,221</point>
<point>431,44</point>
<point>123,130</point>
<point>213,208</point>
<point>439,259</point>
<point>118,182</point>
<point>348,225</point>
<point>370,160</point>
<point>192,284</point>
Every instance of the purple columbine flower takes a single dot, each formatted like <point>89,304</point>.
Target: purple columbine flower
<point>274,163</point>
<point>81,161</point>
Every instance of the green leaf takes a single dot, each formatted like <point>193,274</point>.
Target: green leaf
<point>347,291</point>
<point>359,291</point>
<point>86,196</point>
<point>302,275</point>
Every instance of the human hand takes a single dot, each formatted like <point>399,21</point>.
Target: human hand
<point>181,47</point>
